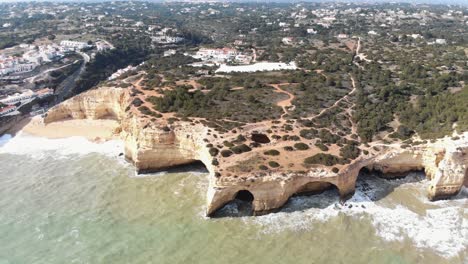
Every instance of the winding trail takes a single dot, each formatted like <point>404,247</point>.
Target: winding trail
<point>337,101</point>
<point>359,55</point>
<point>284,104</point>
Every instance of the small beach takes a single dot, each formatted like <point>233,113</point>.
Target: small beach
<point>93,130</point>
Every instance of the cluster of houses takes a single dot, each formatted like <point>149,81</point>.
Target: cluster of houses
<point>10,104</point>
<point>222,55</point>
<point>33,57</point>
<point>37,55</point>
<point>166,36</point>
<point>10,64</point>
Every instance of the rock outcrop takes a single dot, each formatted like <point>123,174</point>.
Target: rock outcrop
<point>154,144</point>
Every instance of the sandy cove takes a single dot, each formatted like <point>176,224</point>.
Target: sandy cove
<point>97,130</point>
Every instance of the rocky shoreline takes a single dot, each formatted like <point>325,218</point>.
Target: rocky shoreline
<point>155,144</point>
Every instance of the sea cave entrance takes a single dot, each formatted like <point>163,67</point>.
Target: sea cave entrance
<point>375,185</point>
<point>312,195</point>
<point>245,196</point>
<point>240,206</point>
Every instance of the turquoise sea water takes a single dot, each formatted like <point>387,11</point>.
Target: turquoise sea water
<point>71,201</point>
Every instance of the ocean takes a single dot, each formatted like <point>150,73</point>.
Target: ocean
<point>73,201</point>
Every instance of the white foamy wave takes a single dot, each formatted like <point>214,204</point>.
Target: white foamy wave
<point>38,147</point>
<point>443,229</point>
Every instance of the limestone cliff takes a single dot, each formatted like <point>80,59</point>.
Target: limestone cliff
<point>155,143</point>
<point>106,102</point>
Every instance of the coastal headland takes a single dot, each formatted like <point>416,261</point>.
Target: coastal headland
<point>153,144</point>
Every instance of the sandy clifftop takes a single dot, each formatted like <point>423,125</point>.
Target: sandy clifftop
<point>157,143</point>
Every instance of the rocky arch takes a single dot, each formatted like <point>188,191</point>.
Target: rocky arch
<point>314,187</point>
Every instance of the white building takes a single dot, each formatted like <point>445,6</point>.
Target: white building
<point>15,65</point>
<point>287,40</point>
<point>311,31</point>
<point>223,54</point>
<point>73,44</point>
<point>342,36</point>
<point>166,39</point>
<point>103,46</point>
<point>13,99</point>
<point>43,54</point>
<point>416,36</point>
<point>441,41</point>
<point>168,53</point>
<point>119,72</point>
<point>7,110</point>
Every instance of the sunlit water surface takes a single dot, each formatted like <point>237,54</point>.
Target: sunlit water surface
<point>72,201</point>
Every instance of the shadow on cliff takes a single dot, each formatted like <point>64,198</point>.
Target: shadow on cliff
<point>194,167</point>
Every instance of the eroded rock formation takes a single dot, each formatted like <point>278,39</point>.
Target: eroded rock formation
<point>153,144</point>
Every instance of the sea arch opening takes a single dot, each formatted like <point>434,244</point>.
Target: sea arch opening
<point>315,194</point>
<point>240,205</point>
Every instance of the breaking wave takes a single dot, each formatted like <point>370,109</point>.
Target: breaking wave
<point>39,147</point>
<point>442,227</point>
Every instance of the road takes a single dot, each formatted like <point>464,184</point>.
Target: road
<point>67,84</point>
<point>33,78</point>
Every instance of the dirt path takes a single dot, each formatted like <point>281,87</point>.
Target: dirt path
<point>338,101</point>
<point>284,104</point>
<point>360,55</point>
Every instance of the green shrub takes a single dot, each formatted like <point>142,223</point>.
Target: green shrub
<point>288,148</point>
<point>228,144</point>
<point>301,146</point>
<point>294,138</point>
<point>322,158</point>
<point>213,151</point>
<point>137,102</point>
<point>263,167</point>
<point>272,152</point>
<point>350,151</point>
<point>240,138</point>
<point>273,164</point>
<point>321,146</point>
<point>226,153</point>
<point>240,149</point>
<point>308,133</point>
<point>335,170</point>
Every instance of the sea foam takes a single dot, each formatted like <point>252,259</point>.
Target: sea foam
<point>39,147</point>
<point>443,229</point>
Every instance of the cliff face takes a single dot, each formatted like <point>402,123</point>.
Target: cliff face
<point>156,144</point>
<point>105,102</point>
